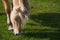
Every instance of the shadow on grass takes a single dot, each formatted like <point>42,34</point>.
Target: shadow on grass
<point>43,35</point>
<point>1,14</point>
<point>45,19</point>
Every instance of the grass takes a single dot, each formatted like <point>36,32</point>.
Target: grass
<point>44,22</point>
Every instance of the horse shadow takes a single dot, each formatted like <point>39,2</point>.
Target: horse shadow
<point>45,19</point>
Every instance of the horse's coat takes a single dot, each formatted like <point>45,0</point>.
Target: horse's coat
<point>17,17</point>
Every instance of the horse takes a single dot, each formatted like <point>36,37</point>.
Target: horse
<point>17,14</point>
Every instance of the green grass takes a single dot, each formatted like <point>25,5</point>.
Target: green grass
<point>44,22</point>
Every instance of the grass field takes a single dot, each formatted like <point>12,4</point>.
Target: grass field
<point>44,22</point>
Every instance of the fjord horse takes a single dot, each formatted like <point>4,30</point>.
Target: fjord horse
<point>18,15</point>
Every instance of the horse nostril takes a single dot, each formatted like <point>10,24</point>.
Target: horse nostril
<point>18,34</point>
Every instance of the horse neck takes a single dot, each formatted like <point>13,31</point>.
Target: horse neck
<point>18,3</point>
<point>15,3</point>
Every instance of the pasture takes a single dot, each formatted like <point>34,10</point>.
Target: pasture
<point>43,24</point>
